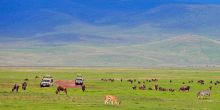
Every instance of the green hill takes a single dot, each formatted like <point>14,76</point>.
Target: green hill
<point>186,50</point>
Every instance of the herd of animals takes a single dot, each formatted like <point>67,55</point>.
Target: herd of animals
<point>110,99</point>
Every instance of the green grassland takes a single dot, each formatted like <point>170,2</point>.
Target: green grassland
<point>36,98</point>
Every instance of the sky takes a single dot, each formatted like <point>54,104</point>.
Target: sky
<point>29,17</point>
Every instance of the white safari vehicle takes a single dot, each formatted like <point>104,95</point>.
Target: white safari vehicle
<point>47,81</point>
<point>79,80</point>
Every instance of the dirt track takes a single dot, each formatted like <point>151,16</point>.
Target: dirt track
<point>66,83</point>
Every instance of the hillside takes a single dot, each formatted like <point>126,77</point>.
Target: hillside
<point>178,51</point>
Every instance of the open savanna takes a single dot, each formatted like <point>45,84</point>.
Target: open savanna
<point>36,98</point>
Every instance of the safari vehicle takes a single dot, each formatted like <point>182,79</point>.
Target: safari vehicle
<point>49,77</point>
<point>79,80</point>
<point>46,82</point>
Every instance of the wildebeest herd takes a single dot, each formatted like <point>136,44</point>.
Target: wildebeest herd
<point>141,85</point>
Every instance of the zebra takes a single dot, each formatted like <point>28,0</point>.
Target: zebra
<point>203,93</point>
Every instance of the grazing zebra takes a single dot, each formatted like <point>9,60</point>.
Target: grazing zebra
<point>203,93</point>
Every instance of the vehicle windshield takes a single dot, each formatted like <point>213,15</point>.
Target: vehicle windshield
<point>78,79</point>
<point>46,80</point>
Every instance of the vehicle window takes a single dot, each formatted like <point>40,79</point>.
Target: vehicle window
<point>46,80</point>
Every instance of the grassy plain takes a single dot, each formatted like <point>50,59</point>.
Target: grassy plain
<point>36,98</point>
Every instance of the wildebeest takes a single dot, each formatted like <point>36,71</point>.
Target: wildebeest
<point>26,79</point>
<point>162,89</point>
<point>184,88</point>
<point>170,81</point>
<point>210,87</point>
<point>134,80</point>
<point>60,88</point>
<point>110,99</point>
<point>154,79</point>
<point>134,87</point>
<point>201,81</point>
<point>36,77</point>
<point>83,87</point>
<point>191,81</point>
<point>15,87</point>
<point>142,87</point>
<point>203,93</point>
<point>156,87</point>
<point>129,80</point>
<point>24,85</point>
<point>171,90</point>
<point>150,88</point>
<point>110,79</point>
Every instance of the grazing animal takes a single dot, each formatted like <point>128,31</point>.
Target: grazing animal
<point>170,81</point>
<point>203,93</point>
<point>121,80</point>
<point>36,77</point>
<point>183,82</point>
<point>106,80</point>
<point>112,80</point>
<point>171,90</point>
<point>26,79</point>
<point>60,88</point>
<point>139,82</point>
<point>129,80</point>
<point>83,87</point>
<point>156,87</point>
<point>184,88</point>
<point>24,85</point>
<point>15,87</point>
<point>142,87</point>
<point>134,87</point>
<point>110,99</point>
<point>162,89</point>
<point>191,81</point>
<point>154,79</point>
<point>210,82</point>
<point>201,81</point>
<point>150,88</point>
<point>210,87</point>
